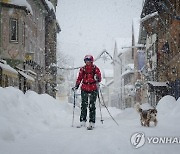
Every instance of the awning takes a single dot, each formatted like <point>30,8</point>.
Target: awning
<point>8,70</point>
<point>157,84</point>
<point>29,78</point>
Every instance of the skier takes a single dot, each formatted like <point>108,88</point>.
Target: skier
<point>89,76</point>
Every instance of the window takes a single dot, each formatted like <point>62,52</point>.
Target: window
<point>13,30</point>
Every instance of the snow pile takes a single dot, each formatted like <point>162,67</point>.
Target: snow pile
<point>23,114</point>
<point>168,110</point>
<point>38,124</point>
<point>166,105</point>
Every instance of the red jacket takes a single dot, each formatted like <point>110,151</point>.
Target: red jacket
<point>87,75</point>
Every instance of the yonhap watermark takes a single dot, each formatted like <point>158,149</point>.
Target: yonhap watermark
<point>138,139</point>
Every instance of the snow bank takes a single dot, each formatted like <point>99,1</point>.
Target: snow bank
<point>38,124</point>
<point>166,104</point>
<point>168,110</point>
<point>22,114</point>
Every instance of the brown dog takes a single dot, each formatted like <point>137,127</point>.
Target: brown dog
<point>147,116</point>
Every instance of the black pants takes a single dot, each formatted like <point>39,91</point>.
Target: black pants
<point>91,96</point>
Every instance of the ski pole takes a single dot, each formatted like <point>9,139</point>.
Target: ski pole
<point>107,108</point>
<point>73,108</point>
<point>100,107</point>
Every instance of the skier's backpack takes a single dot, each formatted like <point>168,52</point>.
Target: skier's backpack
<point>93,71</point>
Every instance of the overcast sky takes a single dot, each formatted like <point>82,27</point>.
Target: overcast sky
<point>90,26</point>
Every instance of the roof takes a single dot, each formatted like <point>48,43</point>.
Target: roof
<point>127,72</point>
<point>8,70</point>
<point>22,3</point>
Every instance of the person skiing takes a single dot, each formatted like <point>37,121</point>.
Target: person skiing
<point>89,76</point>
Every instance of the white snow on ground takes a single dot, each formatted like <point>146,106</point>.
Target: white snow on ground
<point>38,124</point>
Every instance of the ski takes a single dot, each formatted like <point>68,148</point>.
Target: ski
<point>79,126</point>
<point>89,128</point>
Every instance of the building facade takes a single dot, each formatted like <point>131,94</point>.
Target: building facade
<point>23,42</point>
<point>160,20</point>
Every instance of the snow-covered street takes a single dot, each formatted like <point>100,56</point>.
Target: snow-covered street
<point>39,124</point>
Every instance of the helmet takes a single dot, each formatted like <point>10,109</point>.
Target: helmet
<point>88,58</point>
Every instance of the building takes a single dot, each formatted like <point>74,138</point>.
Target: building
<point>122,56</point>
<point>107,86</point>
<point>160,20</point>
<point>24,44</point>
<point>128,85</point>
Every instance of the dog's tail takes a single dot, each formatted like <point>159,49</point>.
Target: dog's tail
<point>138,107</point>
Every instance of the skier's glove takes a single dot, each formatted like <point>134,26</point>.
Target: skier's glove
<point>96,78</point>
<point>75,88</point>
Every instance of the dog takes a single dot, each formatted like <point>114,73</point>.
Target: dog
<point>147,116</point>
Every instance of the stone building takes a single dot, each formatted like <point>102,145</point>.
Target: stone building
<point>24,45</point>
<point>160,20</point>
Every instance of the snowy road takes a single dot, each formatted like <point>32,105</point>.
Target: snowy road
<point>46,129</point>
<point>106,138</point>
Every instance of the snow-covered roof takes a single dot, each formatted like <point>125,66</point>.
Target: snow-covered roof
<point>20,3</point>
<point>158,84</point>
<point>8,69</point>
<point>127,72</point>
<point>29,78</point>
<point>27,5</point>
